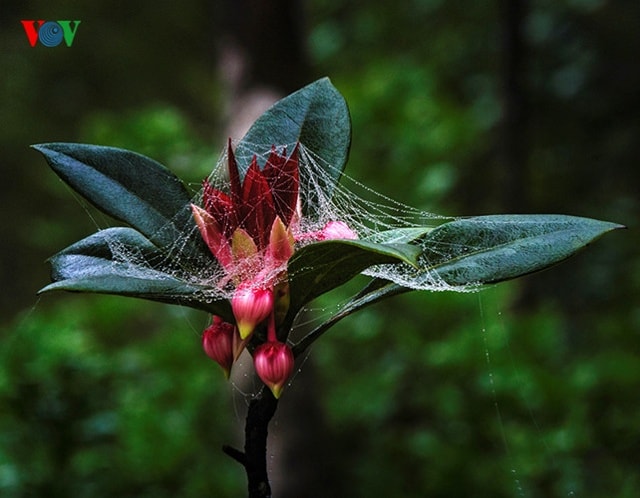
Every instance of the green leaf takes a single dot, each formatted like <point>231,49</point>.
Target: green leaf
<point>488,249</point>
<point>121,261</point>
<point>482,250</point>
<point>126,185</point>
<point>316,116</point>
<point>323,266</point>
<point>399,235</point>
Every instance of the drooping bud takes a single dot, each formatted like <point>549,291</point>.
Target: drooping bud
<point>218,342</point>
<point>251,305</point>
<point>274,363</point>
<point>337,230</point>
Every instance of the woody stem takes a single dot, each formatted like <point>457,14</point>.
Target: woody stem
<point>254,459</point>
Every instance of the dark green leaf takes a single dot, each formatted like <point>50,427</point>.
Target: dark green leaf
<point>323,266</point>
<point>126,185</point>
<point>482,250</point>
<point>489,249</point>
<point>121,261</point>
<point>400,235</point>
<point>316,116</point>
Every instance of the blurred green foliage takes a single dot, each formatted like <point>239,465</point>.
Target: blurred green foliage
<point>111,397</point>
<point>527,389</point>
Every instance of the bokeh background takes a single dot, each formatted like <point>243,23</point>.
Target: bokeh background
<point>528,389</point>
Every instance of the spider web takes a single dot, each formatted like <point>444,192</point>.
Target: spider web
<point>370,214</point>
<point>326,195</point>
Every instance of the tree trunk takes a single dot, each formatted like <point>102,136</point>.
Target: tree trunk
<point>514,153</point>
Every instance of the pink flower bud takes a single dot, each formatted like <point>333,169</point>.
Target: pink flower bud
<point>218,343</point>
<point>250,306</point>
<point>337,230</point>
<point>273,362</point>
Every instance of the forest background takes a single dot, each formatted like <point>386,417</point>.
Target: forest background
<point>461,108</point>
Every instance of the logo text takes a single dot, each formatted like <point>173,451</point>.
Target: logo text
<point>50,33</point>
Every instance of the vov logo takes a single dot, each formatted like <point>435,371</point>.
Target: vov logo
<point>50,33</point>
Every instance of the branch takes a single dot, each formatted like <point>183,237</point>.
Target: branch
<point>237,455</point>
<point>254,458</point>
<point>261,411</point>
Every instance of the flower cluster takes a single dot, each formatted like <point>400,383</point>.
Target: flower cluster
<point>252,231</point>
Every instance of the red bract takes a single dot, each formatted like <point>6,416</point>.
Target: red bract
<point>252,204</point>
<point>247,230</point>
<point>252,230</point>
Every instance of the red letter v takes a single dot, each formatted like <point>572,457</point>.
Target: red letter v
<point>30,30</point>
